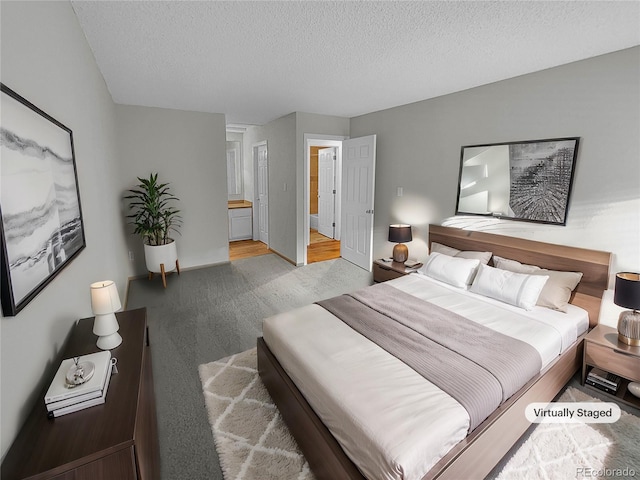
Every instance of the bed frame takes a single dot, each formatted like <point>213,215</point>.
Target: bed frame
<point>482,449</point>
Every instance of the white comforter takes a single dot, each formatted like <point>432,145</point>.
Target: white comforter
<point>390,421</point>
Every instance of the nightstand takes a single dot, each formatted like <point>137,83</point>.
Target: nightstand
<point>603,350</point>
<point>383,271</point>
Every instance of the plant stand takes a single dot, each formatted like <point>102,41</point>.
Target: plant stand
<point>164,273</point>
<point>163,256</point>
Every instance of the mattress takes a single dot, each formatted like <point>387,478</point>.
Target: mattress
<point>390,421</point>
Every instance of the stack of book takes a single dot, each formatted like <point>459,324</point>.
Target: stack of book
<point>602,380</point>
<point>63,398</point>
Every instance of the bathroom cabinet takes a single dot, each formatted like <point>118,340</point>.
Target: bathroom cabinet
<point>240,224</point>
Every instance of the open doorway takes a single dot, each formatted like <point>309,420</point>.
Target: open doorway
<point>353,198</point>
<point>322,244</point>
<point>244,210</point>
<point>322,197</point>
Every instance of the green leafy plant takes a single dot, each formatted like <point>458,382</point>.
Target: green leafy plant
<point>153,214</point>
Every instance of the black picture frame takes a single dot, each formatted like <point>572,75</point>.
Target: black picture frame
<point>41,229</point>
<point>528,180</point>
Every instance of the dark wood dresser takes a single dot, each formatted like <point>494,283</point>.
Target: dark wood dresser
<point>116,440</point>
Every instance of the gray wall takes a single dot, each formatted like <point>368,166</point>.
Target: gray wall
<point>285,147</point>
<point>596,99</point>
<point>280,135</point>
<point>46,59</point>
<point>188,150</point>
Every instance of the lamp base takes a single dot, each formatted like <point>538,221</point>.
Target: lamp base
<point>400,253</point>
<point>629,328</point>
<point>107,342</point>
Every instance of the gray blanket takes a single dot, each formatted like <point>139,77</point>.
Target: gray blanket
<point>477,366</point>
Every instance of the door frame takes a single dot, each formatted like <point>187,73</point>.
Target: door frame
<point>256,193</point>
<point>315,140</point>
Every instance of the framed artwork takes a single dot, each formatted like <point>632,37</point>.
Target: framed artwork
<point>529,180</point>
<point>42,229</point>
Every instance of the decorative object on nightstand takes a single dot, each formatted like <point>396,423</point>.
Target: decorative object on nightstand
<point>627,295</point>
<point>605,381</point>
<point>400,234</point>
<point>634,389</point>
<point>104,303</point>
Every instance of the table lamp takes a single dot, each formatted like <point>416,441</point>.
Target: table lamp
<point>104,302</point>
<point>627,295</point>
<point>400,234</point>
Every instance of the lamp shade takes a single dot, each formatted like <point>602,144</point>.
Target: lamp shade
<point>627,290</point>
<point>104,298</point>
<point>400,233</point>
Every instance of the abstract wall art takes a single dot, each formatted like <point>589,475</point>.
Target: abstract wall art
<point>529,180</point>
<point>42,229</point>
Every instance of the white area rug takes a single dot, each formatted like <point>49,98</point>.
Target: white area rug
<point>253,442</point>
<point>577,451</point>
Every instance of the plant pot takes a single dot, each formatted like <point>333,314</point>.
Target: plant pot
<point>155,255</point>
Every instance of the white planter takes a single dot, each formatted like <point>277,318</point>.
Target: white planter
<point>155,255</point>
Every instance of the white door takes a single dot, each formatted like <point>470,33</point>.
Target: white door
<point>358,177</point>
<point>326,192</point>
<point>263,194</point>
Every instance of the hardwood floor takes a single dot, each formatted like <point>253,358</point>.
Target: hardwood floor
<point>320,248</point>
<point>246,249</point>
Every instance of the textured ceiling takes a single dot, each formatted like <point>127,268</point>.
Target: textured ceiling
<point>257,61</point>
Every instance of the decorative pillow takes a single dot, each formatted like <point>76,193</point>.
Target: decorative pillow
<point>557,290</point>
<point>513,266</point>
<point>517,289</point>
<point>484,257</point>
<point>455,271</point>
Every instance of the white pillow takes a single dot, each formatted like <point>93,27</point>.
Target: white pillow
<point>557,290</point>
<point>455,271</point>
<point>517,289</point>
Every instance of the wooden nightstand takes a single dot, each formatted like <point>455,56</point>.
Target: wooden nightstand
<point>383,271</point>
<point>603,350</point>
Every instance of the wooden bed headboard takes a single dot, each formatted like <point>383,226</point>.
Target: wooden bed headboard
<point>593,264</point>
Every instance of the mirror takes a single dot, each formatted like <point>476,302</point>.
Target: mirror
<point>234,169</point>
<point>528,180</point>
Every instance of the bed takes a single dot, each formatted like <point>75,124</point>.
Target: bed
<point>468,450</point>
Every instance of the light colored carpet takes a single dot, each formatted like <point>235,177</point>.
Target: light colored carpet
<point>210,313</point>
<point>253,443</point>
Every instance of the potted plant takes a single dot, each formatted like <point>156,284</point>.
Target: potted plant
<point>154,218</point>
